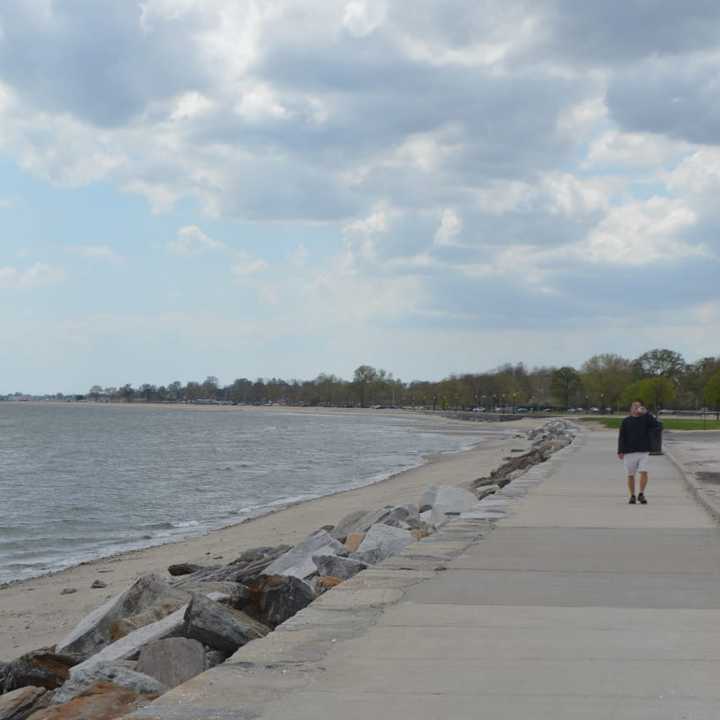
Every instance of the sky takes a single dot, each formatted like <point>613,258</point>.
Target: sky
<point>258,188</point>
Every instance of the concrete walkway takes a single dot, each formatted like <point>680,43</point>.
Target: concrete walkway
<point>575,606</point>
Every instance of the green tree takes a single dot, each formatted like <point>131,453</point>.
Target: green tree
<point>605,377</point>
<point>712,393</point>
<point>565,385</point>
<point>656,393</point>
<point>363,378</point>
<point>664,362</point>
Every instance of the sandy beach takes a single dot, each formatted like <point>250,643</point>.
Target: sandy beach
<point>34,613</point>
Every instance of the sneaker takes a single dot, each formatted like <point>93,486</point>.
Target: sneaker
<point>641,499</point>
<point>632,500</point>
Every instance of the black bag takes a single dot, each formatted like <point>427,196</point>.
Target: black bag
<point>655,437</point>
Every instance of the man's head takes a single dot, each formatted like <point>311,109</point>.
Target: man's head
<point>637,408</point>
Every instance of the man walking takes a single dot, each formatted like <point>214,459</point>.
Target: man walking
<point>634,447</point>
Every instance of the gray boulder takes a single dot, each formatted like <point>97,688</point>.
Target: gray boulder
<point>100,627</point>
<point>220,627</point>
<point>339,567</point>
<point>130,645</point>
<point>21,703</point>
<point>172,661</point>
<point>362,521</point>
<point>451,500</point>
<point>298,562</point>
<point>82,678</point>
<point>384,541</point>
<point>213,658</point>
<point>400,514</point>
<point>279,597</point>
<point>348,525</point>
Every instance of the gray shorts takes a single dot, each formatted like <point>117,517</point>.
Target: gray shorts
<point>636,462</point>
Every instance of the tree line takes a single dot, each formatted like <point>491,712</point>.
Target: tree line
<point>605,382</point>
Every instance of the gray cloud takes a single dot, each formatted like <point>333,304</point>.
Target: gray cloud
<point>92,58</point>
<point>675,97</point>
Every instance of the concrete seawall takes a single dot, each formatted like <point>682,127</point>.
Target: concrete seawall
<point>575,605</point>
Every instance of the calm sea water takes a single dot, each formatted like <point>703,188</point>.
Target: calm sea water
<point>83,481</point>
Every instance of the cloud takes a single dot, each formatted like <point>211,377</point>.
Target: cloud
<point>245,265</point>
<point>451,225</point>
<point>95,252</point>
<point>191,240</point>
<point>486,165</point>
<point>36,276</point>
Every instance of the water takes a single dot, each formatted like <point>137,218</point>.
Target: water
<point>84,481</point>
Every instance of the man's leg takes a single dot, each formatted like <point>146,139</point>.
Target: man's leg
<point>631,486</point>
<point>643,485</point>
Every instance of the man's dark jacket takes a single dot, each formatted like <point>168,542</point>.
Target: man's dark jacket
<point>635,433</point>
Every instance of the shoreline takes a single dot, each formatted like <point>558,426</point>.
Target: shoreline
<point>35,614</point>
<point>267,510</point>
<point>475,435</point>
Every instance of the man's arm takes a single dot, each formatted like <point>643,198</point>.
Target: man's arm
<point>621,439</point>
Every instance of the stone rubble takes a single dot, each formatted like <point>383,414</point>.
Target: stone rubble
<point>21,703</point>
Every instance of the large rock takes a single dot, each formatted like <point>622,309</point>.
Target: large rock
<point>131,644</point>
<point>451,500</point>
<point>172,661</point>
<point>361,521</point>
<point>382,541</point>
<point>21,703</point>
<point>101,627</point>
<point>184,569</point>
<point>40,668</point>
<point>219,627</point>
<point>260,554</point>
<point>279,597</point>
<point>82,679</point>
<point>298,562</point>
<point>400,514</point>
<point>102,701</point>
<point>348,525</point>
<point>340,567</point>
<point>246,568</point>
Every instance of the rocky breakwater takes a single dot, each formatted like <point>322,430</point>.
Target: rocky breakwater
<point>163,631</point>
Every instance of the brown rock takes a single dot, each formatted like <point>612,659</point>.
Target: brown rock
<point>419,534</point>
<point>328,582</point>
<point>18,704</point>
<point>275,598</point>
<point>102,701</point>
<point>184,569</point>
<point>40,668</point>
<point>98,584</point>
<point>353,541</point>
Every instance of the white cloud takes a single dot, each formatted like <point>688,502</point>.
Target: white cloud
<point>37,275</point>
<point>95,252</point>
<point>642,233</point>
<point>362,17</point>
<point>246,265</point>
<point>451,226</point>
<point>634,150</point>
<point>191,240</point>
